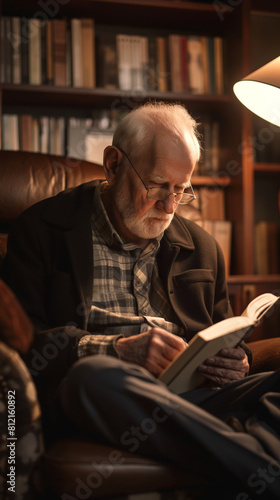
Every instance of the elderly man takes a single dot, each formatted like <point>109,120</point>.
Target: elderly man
<point>109,272</point>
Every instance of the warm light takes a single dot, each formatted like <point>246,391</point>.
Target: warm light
<point>260,92</point>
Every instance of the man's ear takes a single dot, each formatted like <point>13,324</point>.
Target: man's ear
<point>111,162</point>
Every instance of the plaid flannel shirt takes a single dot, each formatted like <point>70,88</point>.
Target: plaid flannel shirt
<point>128,296</point>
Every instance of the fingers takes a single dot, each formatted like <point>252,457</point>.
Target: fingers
<point>230,364</point>
<point>153,349</point>
<point>163,348</point>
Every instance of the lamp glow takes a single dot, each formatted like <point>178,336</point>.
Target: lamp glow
<point>260,92</point>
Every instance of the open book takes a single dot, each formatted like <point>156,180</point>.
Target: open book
<point>182,374</point>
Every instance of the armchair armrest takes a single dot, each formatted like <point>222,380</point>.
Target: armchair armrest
<point>21,442</point>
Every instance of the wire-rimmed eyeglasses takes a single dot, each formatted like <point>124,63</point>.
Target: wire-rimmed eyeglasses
<point>161,194</point>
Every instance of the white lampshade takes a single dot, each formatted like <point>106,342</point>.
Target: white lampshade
<point>260,91</point>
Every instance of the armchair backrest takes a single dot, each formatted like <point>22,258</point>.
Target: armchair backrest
<point>26,178</point>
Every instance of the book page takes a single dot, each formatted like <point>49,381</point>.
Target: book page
<point>259,306</point>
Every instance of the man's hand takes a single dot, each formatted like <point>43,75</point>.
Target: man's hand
<point>153,350</point>
<point>229,364</point>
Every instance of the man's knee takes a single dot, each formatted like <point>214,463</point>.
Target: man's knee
<point>92,371</point>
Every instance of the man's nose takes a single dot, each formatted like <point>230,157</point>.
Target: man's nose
<point>168,205</point>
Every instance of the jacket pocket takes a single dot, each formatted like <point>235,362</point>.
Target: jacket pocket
<point>194,298</point>
<point>194,276</point>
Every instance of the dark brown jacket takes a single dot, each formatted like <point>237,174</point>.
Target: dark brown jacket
<point>50,267</point>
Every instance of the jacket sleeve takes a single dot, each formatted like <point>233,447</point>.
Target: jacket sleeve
<point>25,271</point>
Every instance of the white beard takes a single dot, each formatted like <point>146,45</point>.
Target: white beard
<point>151,225</point>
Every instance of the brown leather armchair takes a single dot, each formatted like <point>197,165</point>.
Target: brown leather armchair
<point>74,467</point>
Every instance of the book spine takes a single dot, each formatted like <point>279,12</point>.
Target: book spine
<point>35,72</point>
<point>88,52</point>
<point>124,68</point>
<point>44,53</point>
<point>162,65</point>
<point>8,49</point>
<point>26,142</point>
<point>49,53</point>
<point>16,58</point>
<point>184,64</point>
<point>175,63</point>
<point>195,66</point>
<point>24,53</point>
<point>77,67</point>
<point>218,67</point>
<point>152,83</point>
<point>44,134</point>
<point>59,52</point>
<point>2,49</point>
<point>107,70</point>
<point>35,135</point>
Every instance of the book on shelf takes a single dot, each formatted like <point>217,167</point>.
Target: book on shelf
<point>267,234</point>
<point>106,58</point>
<point>218,65</point>
<point>59,47</point>
<point>152,63</point>
<point>175,62</point>
<point>10,132</point>
<point>124,65</point>
<point>24,53</point>
<point>132,62</point>
<point>221,230</point>
<point>6,49</point>
<point>16,52</point>
<point>183,375</point>
<point>209,163</point>
<point>88,52</point>
<point>162,64</point>
<point>34,45</point>
<point>49,53</point>
<point>77,129</point>
<point>95,143</point>
<point>212,202</point>
<point>196,70</point>
<point>77,56</point>
<point>26,132</point>
<point>44,52</point>
<point>35,135</point>
<point>136,62</point>
<point>44,134</point>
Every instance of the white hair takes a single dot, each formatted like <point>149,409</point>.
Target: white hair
<point>138,128</point>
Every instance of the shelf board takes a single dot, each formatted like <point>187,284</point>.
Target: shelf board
<point>145,13</point>
<point>244,279</point>
<point>267,168</point>
<point>211,181</point>
<point>45,95</point>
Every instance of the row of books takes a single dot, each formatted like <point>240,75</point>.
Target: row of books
<point>65,52</point>
<point>83,137</point>
<point>177,63</point>
<point>56,52</point>
<point>45,134</point>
